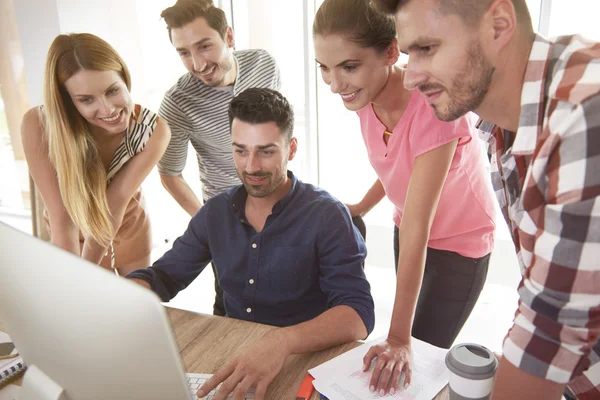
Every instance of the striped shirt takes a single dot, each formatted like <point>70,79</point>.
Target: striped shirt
<point>547,180</point>
<point>140,129</point>
<point>137,135</point>
<point>198,113</point>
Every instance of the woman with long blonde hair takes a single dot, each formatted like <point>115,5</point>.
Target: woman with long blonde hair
<point>89,148</point>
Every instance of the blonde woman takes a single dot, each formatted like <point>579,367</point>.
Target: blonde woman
<point>89,148</point>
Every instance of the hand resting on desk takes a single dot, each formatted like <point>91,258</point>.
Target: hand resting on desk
<point>394,357</point>
<point>257,367</point>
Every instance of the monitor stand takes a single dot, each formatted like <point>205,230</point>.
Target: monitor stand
<point>39,386</point>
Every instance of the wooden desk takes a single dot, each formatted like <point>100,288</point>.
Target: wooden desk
<point>207,343</point>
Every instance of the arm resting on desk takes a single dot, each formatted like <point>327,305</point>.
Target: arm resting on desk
<point>259,365</point>
<point>342,253</point>
<point>338,325</point>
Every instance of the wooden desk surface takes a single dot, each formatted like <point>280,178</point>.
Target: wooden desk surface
<point>207,343</point>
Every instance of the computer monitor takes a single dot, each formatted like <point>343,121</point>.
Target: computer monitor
<point>83,331</point>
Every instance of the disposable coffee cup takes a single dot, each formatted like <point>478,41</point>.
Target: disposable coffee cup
<point>472,368</point>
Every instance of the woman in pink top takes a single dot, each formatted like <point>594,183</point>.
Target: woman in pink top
<point>432,171</point>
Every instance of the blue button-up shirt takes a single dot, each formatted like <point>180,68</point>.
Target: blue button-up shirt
<point>308,258</point>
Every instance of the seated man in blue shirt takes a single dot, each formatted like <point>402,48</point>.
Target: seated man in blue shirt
<point>285,252</point>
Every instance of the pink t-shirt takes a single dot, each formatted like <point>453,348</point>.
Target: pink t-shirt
<point>464,221</point>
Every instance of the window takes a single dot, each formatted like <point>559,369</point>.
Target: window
<point>280,28</point>
<point>568,17</point>
<point>534,9</point>
<point>14,178</point>
<point>344,167</point>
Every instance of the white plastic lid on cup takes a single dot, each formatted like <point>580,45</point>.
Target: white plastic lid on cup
<point>473,368</point>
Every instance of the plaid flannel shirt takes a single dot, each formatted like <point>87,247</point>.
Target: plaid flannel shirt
<point>547,179</point>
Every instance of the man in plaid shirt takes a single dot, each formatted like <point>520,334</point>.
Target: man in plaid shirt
<point>542,101</point>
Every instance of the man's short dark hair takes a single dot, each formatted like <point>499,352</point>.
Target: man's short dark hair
<point>470,11</point>
<point>185,11</point>
<point>259,106</point>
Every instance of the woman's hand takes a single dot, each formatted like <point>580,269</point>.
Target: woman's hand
<point>394,357</point>
<point>355,210</point>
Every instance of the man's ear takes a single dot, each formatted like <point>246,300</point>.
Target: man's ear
<point>229,37</point>
<point>392,53</point>
<point>293,148</point>
<point>499,25</point>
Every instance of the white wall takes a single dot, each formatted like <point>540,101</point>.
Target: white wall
<point>279,27</point>
<point>115,21</point>
<point>575,16</point>
<point>38,24</point>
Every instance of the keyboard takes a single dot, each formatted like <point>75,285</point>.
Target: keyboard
<point>197,380</point>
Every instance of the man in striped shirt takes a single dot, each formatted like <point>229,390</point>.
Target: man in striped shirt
<point>542,99</point>
<point>196,106</point>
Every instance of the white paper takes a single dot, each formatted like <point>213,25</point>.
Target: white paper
<point>342,378</point>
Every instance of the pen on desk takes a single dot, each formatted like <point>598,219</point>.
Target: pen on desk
<point>306,388</point>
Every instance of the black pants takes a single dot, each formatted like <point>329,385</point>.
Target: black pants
<point>451,286</point>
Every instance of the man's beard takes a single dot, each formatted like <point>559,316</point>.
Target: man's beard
<point>265,189</point>
<point>469,86</point>
<point>223,68</point>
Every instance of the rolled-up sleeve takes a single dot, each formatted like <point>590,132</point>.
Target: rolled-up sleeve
<point>557,323</point>
<point>173,160</point>
<point>342,252</point>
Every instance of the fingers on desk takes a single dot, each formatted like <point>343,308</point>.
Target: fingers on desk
<point>401,368</point>
<point>407,375</point>
<point>380,377</point>
<point>368,358</point>
<point>387,372</point>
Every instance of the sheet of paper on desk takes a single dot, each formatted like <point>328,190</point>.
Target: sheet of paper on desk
<point>342,378</point>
